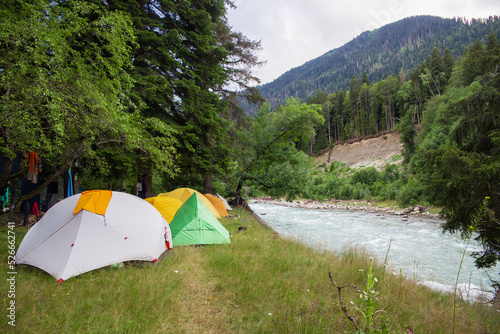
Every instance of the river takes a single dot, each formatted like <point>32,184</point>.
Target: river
<point>416,246</point>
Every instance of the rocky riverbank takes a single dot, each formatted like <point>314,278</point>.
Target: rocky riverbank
<point>419,210</point>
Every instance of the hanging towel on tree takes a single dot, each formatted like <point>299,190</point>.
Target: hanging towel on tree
<point>34,209</point>
<point>4,199</point>
<point>32,161</point>
<point>70,184</point>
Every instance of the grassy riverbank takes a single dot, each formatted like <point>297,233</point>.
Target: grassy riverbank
<point>260,283</point>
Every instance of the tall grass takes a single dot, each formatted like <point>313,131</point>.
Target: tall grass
<point>260,283</point>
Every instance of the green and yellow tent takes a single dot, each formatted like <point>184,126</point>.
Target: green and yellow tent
<point>182,194</point>
<point>194,224</point>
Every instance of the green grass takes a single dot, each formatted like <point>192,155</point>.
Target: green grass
<point>260,283</point>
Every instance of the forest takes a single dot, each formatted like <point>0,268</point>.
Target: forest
<point>402,45</point>
<point>108,94</point>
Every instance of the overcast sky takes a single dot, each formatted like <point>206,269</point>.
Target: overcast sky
<point>293,32</point>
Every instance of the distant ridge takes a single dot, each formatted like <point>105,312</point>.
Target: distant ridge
<point>404,44</point>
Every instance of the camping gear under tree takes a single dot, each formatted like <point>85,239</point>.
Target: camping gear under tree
<point>94,229</point>
<point>194,224</point>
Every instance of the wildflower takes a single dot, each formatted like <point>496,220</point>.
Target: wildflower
<point>375,279</point>
<point>487,197</point>
<point>269,314</point>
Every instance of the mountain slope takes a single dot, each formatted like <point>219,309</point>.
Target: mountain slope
<point>370,152</point>
<point>400,45</point>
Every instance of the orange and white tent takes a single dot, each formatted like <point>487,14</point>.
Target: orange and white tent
<point>94,229</point>
<point>226,204</point>
<point>218,204</point>
<point>183,194</point>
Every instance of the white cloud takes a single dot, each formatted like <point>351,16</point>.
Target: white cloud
<point>293,32</point>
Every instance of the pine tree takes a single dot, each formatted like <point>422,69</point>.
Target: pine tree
<point>402,77</point>
<point>447,64</point>
<point>354,96</point>
<point>474,62</point>
<point>187,54</point>
<point>364,79</point>
<point>466,166</point>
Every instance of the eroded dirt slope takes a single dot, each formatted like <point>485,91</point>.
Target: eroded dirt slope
<point>375,152</point>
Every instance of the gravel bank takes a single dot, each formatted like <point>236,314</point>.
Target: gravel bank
<point>349,205</point>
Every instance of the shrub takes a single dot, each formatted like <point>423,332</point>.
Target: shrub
<point>345,191</point>
<point>365,176</point>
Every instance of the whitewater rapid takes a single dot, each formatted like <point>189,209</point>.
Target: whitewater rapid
<point>414,246</point>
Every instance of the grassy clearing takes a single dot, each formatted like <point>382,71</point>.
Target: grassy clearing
<point>260,283</point>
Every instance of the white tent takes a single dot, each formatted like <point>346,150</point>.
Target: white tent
<point>66,243</point>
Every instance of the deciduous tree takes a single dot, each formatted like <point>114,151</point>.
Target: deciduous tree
<point>269,147</point>
<point>63,84</point>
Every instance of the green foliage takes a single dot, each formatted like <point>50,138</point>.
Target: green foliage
<point>481,213</point>
<point>391,183</point>
<point>369,300</point>
<point>289,177</point>
<point>408,133</point>
<point>132,88</point>
<point>366,176</point>
<point>411,192</point>
<point>268,156</point>
<point>65,87</point>
<point>178,66</point>
<point>459,155</point>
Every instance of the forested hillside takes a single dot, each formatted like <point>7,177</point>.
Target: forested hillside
<point>401,45</point>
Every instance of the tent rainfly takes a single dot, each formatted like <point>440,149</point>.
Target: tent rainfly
<point>218,204</point>
<point>167,206</point>
<point>194,224</point>
<point>94,229</point>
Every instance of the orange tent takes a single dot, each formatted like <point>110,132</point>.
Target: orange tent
<point>218,204</point>
<point>183,194</point>
<point>167,206</point>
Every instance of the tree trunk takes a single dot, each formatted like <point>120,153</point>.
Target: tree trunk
<point>7,179</point>
<point>207,185</point>
<point>54,176</point>
<point>237,194</point>
<point>148,181</point>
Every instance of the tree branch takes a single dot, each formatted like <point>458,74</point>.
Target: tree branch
<point>342,305</point>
